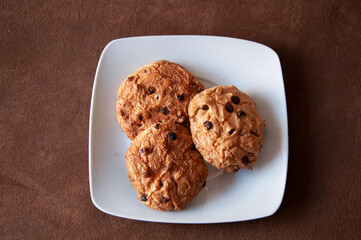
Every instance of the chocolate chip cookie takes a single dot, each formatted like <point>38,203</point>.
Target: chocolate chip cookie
<point>157,92</point>
<point>164,167</point>
<point>226,128</point>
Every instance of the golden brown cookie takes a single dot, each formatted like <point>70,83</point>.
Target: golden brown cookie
<point>157,92</point>
<point>226,128</point>
<point>164,167</point>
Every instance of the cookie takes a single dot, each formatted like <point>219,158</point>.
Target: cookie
<point>226,128</point>
<point>157,92</point>
<point>164,167</point>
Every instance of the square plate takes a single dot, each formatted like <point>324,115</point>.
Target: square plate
<point>252,67</point>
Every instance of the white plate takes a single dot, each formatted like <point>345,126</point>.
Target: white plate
<point>252,67</point>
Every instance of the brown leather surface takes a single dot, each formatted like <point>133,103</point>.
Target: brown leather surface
<point>48,55</point>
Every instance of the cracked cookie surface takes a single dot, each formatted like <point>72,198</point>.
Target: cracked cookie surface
<point>226,128</point>
<point>164,167</point>
<point>159,91</point>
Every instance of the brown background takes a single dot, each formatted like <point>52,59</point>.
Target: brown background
<point>48,56</point>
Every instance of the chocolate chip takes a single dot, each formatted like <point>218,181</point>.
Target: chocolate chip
<point>235,99</point>
<point>143,197</point>
<point>229,107</point>
<point>164,199</point>
<point>168,167</point>
<point>150,90</point>
<point>193,84</point>
<point>143,150</point>
<point>254,133</point>
<point>237,168</point>
<point>172,136</point>
<point>160,184</point>
<point>157,126</point>
<point>140,117</point>
<point>194,147</point>
<point>245,160</point>
<point>130,78</point>
<point>241,113</point>
<point>165,110</point>
<point>205,107</point>
<point>204,184</point>
<point>149,115</point>
<point>139,125</point>
<point>200,90</point>
<point>145,71</point>
<point>146,174</point>
<point>180,116</point>
<point>207,125</point>
<point>180,97</point>
<point>232,131</point>
<point>122,113</point>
